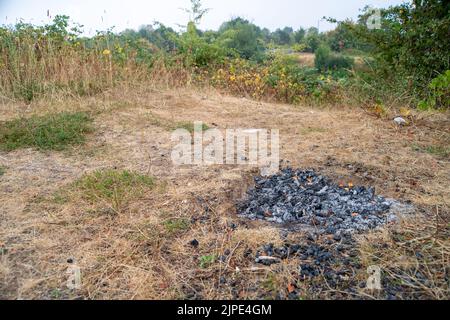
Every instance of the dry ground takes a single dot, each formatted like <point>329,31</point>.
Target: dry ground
<point>132,255</point>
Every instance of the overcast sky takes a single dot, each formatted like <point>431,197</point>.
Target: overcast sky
<point>101,14</point>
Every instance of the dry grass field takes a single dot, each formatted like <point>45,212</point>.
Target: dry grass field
<point>135,242</point>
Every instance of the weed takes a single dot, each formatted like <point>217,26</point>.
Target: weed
<point>56,294</point>
<point>176,225</point>
<point>310,130</point>
<point>50,132</point>
<point>114,187</point>
<point>439,151</point>
<point>189,126</point>
<point>2,170</point>
<point>207,261</point>
<point>270,284</point>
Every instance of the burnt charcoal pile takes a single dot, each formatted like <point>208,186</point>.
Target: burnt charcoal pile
<point>307,198</point>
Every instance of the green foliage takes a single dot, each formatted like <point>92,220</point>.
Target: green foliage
<point>312,39</point>
<point>196,52</point>
<point>243,38</point>
<point>413,39</point>
<point>343,37</point>
<point>176,225</point>
<point>207,261</point>
<point>326,60</point>
<point>157,34</point>
<point>294,82</point>
<point>439,95</point>
<point>189,126</point>
<point>323,53</point>
<point>397,63</point>
<point>283,36</point>
<point>299,36</point>
<point>114,187</point>
<point>50,132</point>
<point>439,151</point>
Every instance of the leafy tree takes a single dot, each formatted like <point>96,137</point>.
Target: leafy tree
<point>283,36</point>
<point>242,37</point>
<point>343,37</point>
<point>159,35</point>
<point>413,38</point>
<point>196,11</point>
<point>299,35</point>
<point>196,52</point>
<point>312,39</point>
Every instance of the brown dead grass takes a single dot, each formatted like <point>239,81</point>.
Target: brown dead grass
<point>133,256</point>
<point>306,59</point>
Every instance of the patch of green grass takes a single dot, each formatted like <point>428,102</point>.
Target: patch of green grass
<point>309,130</point>
<point>176,225</point>
<point>2,170</point>
<point>207,261</point>
<point>189,126</point>
<point>269,285</point>
<point>50,132</point>
<point>433,150</point>
<point>56,294</point>
<point>114,187</point>
<point>60,198</point>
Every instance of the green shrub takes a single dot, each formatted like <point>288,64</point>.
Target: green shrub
<point>207,261</point>
<point>196,52</point>
<point>326,60</point>
<point>243,38</point>
<point>413,39</point>
<point>50,132</point>
<point>439,95</point>
<point>323,53</point>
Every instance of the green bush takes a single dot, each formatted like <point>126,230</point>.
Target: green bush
<point>196,52</point>
<point>326,60</point>
<point>439,95</point>
<point>50,132</point>
<point>242,38</point>
<point>413,39</point>
<point>323,53</point>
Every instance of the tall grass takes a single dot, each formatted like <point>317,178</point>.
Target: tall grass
<point>37,61</point>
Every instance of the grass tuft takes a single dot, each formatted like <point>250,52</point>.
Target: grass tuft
<point>116,188</point>
<point>176,225</point>
<point>433,150</point>
<point>50,132</point>
<point>189,126</point>
<point>207,261</point>
<point>2,170</point>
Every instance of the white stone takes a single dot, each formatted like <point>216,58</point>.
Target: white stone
<point>400,121</point>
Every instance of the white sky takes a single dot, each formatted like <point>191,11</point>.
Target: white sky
<point>102,14</point>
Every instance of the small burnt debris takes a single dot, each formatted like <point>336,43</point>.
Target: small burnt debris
<point>304,197</point>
